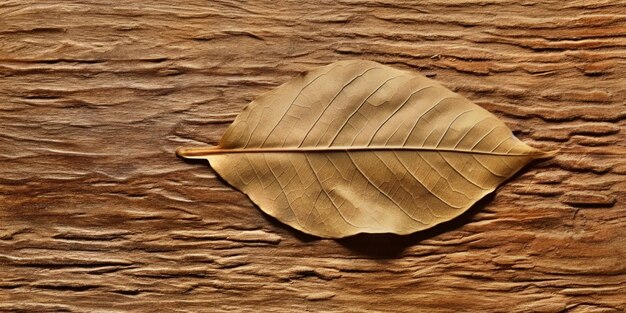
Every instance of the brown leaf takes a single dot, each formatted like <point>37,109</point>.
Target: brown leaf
<point>360,147</point>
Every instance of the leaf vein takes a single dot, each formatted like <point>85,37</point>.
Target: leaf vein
<point>359,107</point>
<point>333,100</point>
<point>424,114</point>
<point>294,100</point>
<point>369,181</point>
<point>326,192</point>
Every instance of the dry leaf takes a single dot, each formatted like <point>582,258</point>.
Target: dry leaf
<point>360,147</point>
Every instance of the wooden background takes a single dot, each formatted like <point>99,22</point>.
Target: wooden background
<point>97,214</point>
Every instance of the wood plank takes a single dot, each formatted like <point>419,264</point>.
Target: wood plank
<point>97,213</point>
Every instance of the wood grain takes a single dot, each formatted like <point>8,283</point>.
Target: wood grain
<point>98,215</point>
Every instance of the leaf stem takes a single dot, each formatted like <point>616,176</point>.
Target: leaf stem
<point>198,152</point>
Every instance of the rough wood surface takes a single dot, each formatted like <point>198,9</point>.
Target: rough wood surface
<point>96,213</point>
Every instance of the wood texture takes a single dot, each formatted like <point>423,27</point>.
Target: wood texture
<point>96,213</point>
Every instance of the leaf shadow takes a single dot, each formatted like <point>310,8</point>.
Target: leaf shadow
<point>391,246</point>
<point>201,161</point>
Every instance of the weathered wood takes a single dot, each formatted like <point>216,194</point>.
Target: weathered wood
<point>97,214</point>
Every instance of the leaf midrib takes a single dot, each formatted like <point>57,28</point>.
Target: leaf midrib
<point>216,150</point>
